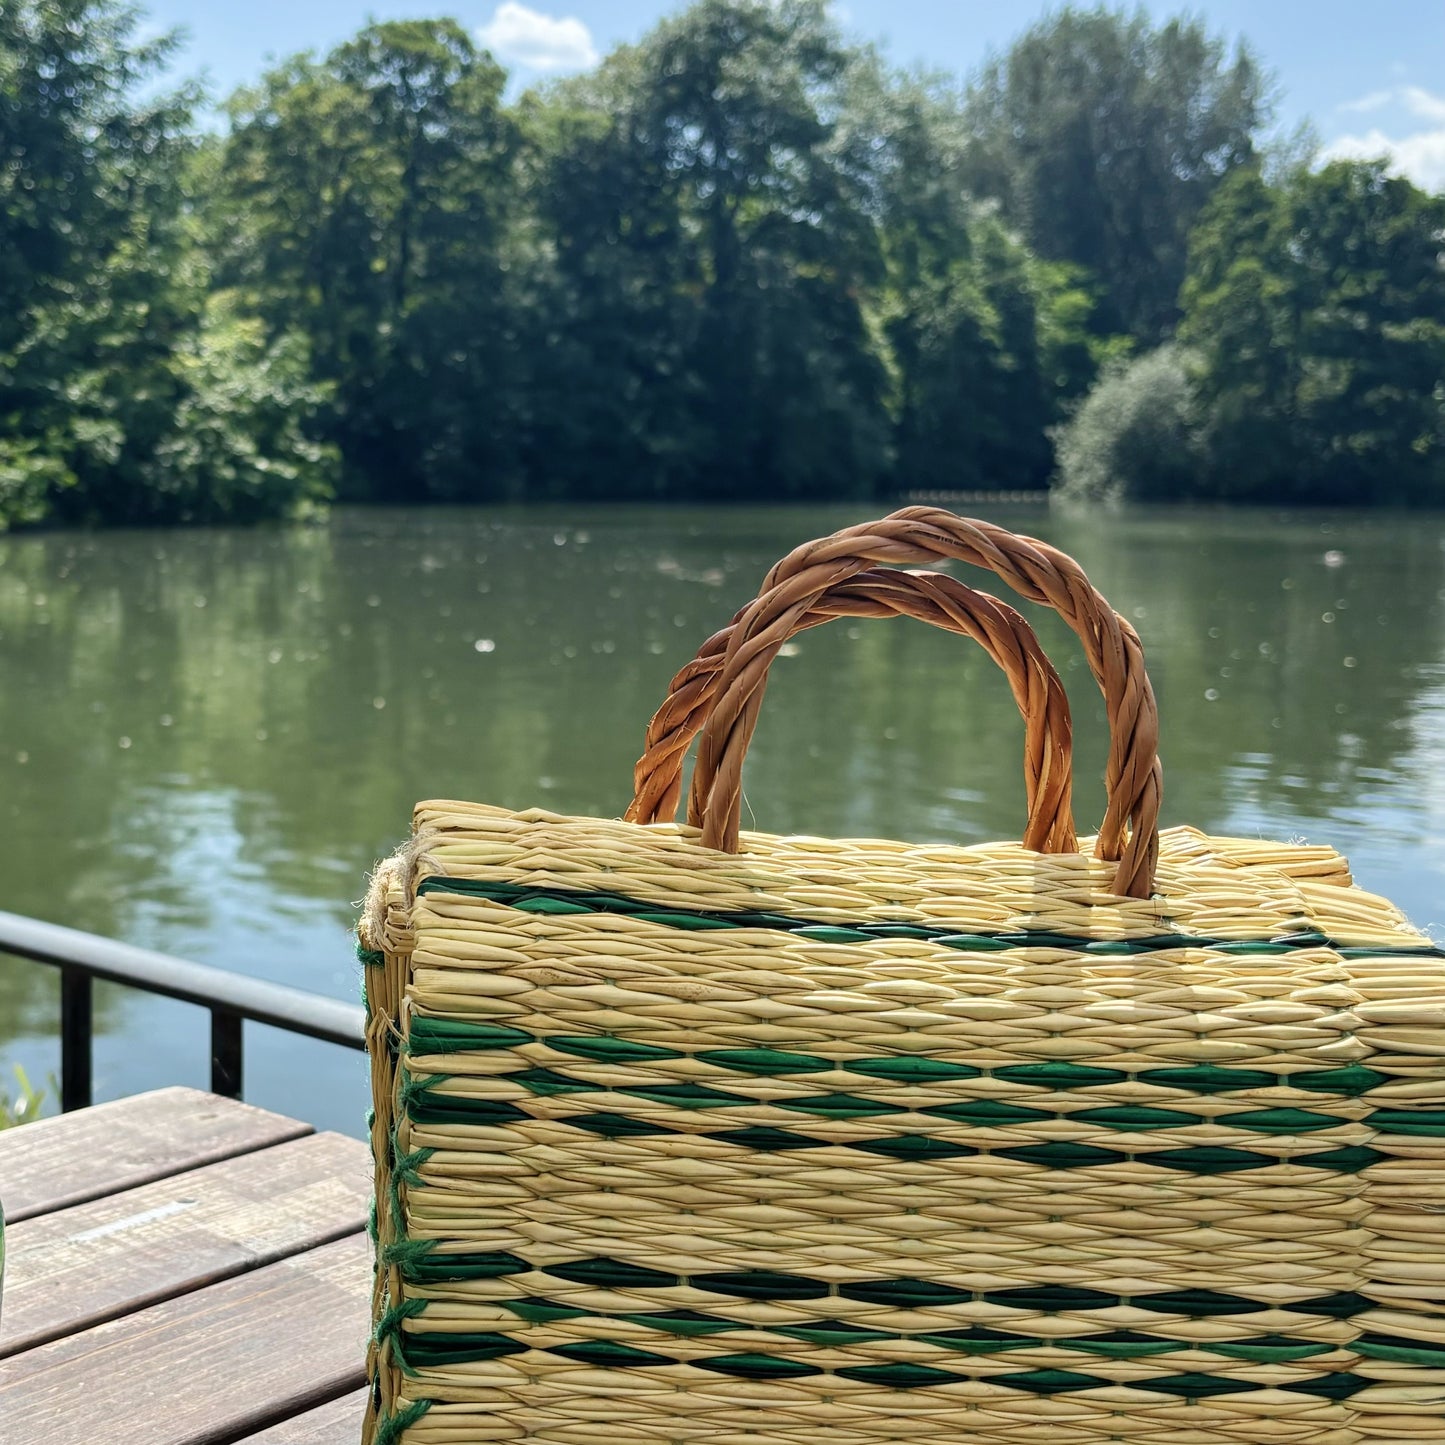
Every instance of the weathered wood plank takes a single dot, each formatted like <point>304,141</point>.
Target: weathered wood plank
<point>55,1163</point>
<point>74,1268</point>
<point>209,1366</point>
<point>338,1423</point>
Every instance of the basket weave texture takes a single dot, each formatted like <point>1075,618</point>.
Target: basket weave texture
<point>686,1134</point>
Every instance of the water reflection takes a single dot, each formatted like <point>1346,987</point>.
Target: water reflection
<point>207,738</point>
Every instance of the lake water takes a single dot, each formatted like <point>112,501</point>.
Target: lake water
<point>207,738</point>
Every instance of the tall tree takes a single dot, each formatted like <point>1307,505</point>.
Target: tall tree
<point>613,285</point>
<point>1317,311</point>
<point>697,189</point>
<point>984,342</point>
<point>368,195</point>
<point>125,395</point>
<point>76,143</point>
<point>1102,136</point>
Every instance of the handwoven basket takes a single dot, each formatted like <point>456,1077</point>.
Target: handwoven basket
<point>683,1134</point>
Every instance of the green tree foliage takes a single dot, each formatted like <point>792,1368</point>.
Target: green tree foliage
<point>124,395</point>
<point>768,279</point>
<point>152,418</point>
<point>1103,135</point>
<point>613,294</point>
<point>75,145</point>
<point>985,341</point>
<point>1317,309</point>
<point>712,265</point>
<point>1314,315</point>
<point>1137,434</point>
<point>741,259</point>
<point>366,196</point>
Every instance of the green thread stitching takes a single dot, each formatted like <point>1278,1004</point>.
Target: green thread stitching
<point>389,1428</point>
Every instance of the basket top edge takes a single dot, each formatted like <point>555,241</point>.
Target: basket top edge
<point>1208,885</point>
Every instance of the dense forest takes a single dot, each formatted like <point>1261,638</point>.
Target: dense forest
<point>742,259</point>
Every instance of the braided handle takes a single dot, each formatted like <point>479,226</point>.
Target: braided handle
<point>1133,777</point>
<point>928,596</point>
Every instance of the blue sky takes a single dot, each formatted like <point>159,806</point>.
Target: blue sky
<point>1371,77</point>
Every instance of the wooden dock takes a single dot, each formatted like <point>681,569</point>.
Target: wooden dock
<point>183,1269</point>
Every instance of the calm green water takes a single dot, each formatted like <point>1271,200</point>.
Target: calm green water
<point>207,738</point>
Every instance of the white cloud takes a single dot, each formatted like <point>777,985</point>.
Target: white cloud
<point>1422,103</point>
<point>523,36</point>
<point>1420,156</point>
<point>1373,101</point>
<point>1417,153</point>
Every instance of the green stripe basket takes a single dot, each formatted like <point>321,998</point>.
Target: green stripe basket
<point>689,1134</point>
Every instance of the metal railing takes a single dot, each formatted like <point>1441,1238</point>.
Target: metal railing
<point>231,998</point>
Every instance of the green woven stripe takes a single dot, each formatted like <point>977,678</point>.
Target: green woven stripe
<point>428,1350</point>
<point>421,1264</point>
<point>449,1036</point>
<point>986,1113</point>
<point>425,1264</point>
<point>427,1105</point>
<point>1402,1351</point>
<point>1429,1123</point>
<point>566,900</point>
<point>970,1340</point>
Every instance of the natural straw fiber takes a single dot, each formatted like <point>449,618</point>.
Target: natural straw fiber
<point>685,1134</point>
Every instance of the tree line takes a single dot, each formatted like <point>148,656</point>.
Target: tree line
<point>742,259</point>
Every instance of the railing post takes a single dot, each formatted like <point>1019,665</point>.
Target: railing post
<point>226,1050</point>
<point>230,999</point>
<point>76,1028</point>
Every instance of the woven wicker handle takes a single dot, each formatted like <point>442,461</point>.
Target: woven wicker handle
<point>929,596</point>
<point>1133,777</point>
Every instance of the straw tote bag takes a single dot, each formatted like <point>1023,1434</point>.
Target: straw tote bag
<point>686,1134</point>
